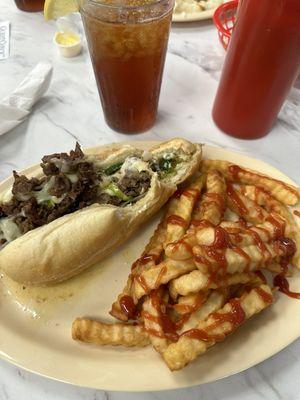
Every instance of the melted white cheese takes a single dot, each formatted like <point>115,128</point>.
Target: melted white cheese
<point>6,196</point>
<point>73,177</point>
<point>10,230</point>
<point>134,164</point>
<point>43,194</point>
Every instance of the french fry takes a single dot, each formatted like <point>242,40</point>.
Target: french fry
<point>281,191</point>
<point>212,205</point>
<point>249,210</point>
<point>230,236</point>
<point>167,230</point>
<point>190,303</point>
<point>215,300</point>
<point>210,209</point>
<point>153,314</point>
<point>199,277</point>
<point>236,260</point>
<point>118,334</point>
<point>151,253</point>
<point>216,327</point>
<point>159,275</point>
<point>233,224</point>
<point>179,220</point>
<point>292,230</point>
<point>196,281</point>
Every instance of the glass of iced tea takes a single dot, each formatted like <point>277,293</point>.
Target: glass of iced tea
<point>30,5</point>
<point>128,41</point>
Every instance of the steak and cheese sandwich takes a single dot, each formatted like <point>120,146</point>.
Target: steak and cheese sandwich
<point>82,206</point>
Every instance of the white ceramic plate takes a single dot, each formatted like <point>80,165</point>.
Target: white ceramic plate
<point>196,16</point>
<point>35,323</point>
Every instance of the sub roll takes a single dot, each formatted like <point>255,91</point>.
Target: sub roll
<point>81,207</point>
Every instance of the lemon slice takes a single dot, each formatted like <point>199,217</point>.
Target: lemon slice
<point>54,9</point>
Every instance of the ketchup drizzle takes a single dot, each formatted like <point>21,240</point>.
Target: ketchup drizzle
<point>236,316</point>
<point>221,239</point>
<point>215,198</point>
<point>175,246</point>
<point>192,194</point>
<point>177,193</point>
<point>167,326</point>
<point>142,282</point>
<point>242,253</point>
<point>201,334</point>
<point>280,281</point>
<point>234,170</point>
<point>128,307</point>
<point>176,220</point>
<point>201,224</point>
<point>279,227</point>
<point>160,276</point>
<point>242,209</point>
<point>266,297</point>
<point>144,259</point>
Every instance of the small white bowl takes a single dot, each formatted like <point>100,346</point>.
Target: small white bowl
<point>68,50</point>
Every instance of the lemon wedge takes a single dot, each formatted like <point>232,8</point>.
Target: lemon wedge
<point>54,9</point>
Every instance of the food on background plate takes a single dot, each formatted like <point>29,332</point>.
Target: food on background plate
<point>200,276</point>
<point>195,6</point>
<point>81,207</point>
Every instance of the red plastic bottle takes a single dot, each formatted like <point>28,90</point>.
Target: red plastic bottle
<point>261,65</point>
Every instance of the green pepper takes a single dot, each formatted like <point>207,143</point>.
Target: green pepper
<point>48,203</point>
<point>117,192</point>
<point>113,168</point>
<point>167,166</point>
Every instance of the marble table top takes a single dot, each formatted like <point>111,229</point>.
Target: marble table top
<point>71,111</point>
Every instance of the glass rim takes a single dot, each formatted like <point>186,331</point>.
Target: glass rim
<point>124,7</point>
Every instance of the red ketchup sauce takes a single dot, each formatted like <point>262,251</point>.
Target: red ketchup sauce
<point>280,280</point>
<point>232,194</point>
<point>266,297</point>
<point>279,227</point>
<point>236,316</point>
<point>192,194</point>
<point>215,198</point>
<point>168,327</point>
<point>262,62</point>
<point>128,307</point>
<point>176,220</point>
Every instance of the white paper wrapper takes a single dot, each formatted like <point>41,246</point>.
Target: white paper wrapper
<point>16,107</point>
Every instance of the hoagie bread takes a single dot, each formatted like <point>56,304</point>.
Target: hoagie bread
<point>83,206</point>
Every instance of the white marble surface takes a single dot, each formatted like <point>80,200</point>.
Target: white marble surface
<point>71,111</point>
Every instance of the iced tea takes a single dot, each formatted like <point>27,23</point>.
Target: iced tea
<point>30,5</point>
<point>128,46</point>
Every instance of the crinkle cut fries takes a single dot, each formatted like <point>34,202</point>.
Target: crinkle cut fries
<point>200,276</point>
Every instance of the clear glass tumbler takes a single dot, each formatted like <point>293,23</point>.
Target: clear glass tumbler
<point>128,42</point>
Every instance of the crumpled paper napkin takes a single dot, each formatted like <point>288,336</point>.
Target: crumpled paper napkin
<point>17,106</point>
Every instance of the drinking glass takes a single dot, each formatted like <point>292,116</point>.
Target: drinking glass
<point>30,5</point>
<point>128,42</point>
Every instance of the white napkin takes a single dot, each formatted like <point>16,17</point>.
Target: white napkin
<point>16,107</point>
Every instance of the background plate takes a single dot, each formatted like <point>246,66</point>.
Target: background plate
<point>35,325</point>
<point>196,16</point>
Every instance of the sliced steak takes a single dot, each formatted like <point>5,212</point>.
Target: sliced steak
<point>134,184</point>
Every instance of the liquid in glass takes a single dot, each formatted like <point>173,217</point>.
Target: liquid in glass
<point>128,59</point>
<point>30,5</point>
